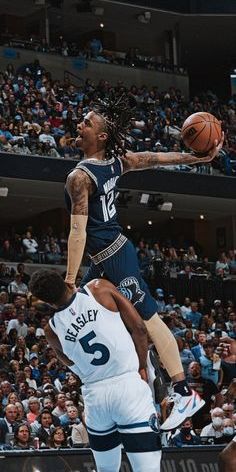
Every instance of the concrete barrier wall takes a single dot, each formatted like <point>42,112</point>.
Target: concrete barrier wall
<point>94,70</point>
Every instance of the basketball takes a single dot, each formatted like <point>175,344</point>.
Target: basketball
<point>200,131</point>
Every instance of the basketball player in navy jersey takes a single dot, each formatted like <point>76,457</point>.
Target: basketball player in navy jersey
<point>95,331</point>
<point>90,194</point>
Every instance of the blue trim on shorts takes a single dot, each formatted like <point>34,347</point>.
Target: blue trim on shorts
<point>134,425</point>
<point>104,443</point>
<point>102,432</point>
<point>141,442</point>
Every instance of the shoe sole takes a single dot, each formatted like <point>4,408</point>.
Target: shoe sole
<point>193,411</point>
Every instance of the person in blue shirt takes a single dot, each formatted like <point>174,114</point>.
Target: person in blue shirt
<point>206,361</point>
<point>185,437</point>
<point>198,350</point>
<point>91,190</point>
<point>161,306</point>
<point>194,316</point>
<point>5,132</point>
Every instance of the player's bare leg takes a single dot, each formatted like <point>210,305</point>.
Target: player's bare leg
<point>186,401</point>
<point>227,458</point>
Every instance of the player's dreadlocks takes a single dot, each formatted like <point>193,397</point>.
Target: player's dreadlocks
<point>116,112</point>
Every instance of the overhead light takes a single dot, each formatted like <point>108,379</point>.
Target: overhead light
<point>101,25</point>
<point>202,217</point>
<point>144,198</point>
<point>3,191</point>
<point>166,206</point>
<point>149,222</point>
<point>171,218</point>
<point>128,227</point>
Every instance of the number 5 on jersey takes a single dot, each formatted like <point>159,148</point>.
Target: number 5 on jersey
<point>91,348</point>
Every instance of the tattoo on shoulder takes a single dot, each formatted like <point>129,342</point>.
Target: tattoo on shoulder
<point>80,187</point>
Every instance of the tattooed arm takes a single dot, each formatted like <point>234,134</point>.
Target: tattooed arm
<point>79,187</point>
<point>146,160</point>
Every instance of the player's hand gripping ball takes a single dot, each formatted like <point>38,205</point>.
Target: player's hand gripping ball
<point>200,132</point>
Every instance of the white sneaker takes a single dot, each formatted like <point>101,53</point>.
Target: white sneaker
<point>184,407</point>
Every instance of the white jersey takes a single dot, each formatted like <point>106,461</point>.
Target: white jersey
<point>94,338</point>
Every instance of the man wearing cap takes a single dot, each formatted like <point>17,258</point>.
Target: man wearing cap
<point>161,306</point>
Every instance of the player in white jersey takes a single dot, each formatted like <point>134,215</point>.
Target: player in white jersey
<point>227,460</point>
<point>99,335</point>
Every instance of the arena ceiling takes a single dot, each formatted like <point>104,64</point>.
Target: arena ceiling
<point>28,198</point>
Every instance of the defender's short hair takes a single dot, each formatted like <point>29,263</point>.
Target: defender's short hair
<point>48,286</point>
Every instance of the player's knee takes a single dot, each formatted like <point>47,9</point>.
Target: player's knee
<point>147,461</point>
<point>107,466</point>
<point>109,460</point>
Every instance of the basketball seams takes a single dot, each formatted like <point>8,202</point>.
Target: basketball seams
<point>207,129</point>
<point>209,138</point>
<point>191,124</point>
<point>198,134</point>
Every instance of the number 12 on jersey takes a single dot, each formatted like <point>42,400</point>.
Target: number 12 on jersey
<point>108,207</point>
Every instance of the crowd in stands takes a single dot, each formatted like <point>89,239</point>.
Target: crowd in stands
<point>39,116</point>
<point>27,247</point>
<point>40,400</point>
<point>171,261</point>
<point>93,50</point>
<point>41,405</point>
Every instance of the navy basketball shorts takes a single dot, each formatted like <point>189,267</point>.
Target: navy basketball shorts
<point>123,271</point>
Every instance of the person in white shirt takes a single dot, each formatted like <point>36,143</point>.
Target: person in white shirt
<point>215,428</point>
<point>19,325</point>
<point>186,307</point>
<point>40,330</point>
<point>29,244</point>
<point>17,286</point>
<point>46,137</point>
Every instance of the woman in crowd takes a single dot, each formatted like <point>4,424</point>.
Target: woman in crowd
<point>19,355</point>
<point>34,409</point>
<point>28,377</point>
<point>22,437</point>
<point>57,439</point>
<point>21,416</point>
<point>12,398</point>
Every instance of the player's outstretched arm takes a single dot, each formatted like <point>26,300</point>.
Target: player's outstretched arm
<point>146,160</point>
<point>78,187</point>
<point>108,295</point>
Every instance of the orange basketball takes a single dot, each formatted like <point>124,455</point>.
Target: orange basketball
<point>200,131</point>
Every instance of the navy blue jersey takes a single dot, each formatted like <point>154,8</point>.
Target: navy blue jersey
<point>102,226</point>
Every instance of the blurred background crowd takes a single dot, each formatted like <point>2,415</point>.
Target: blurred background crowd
<point>39,116</point>
<point>41,404</point>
